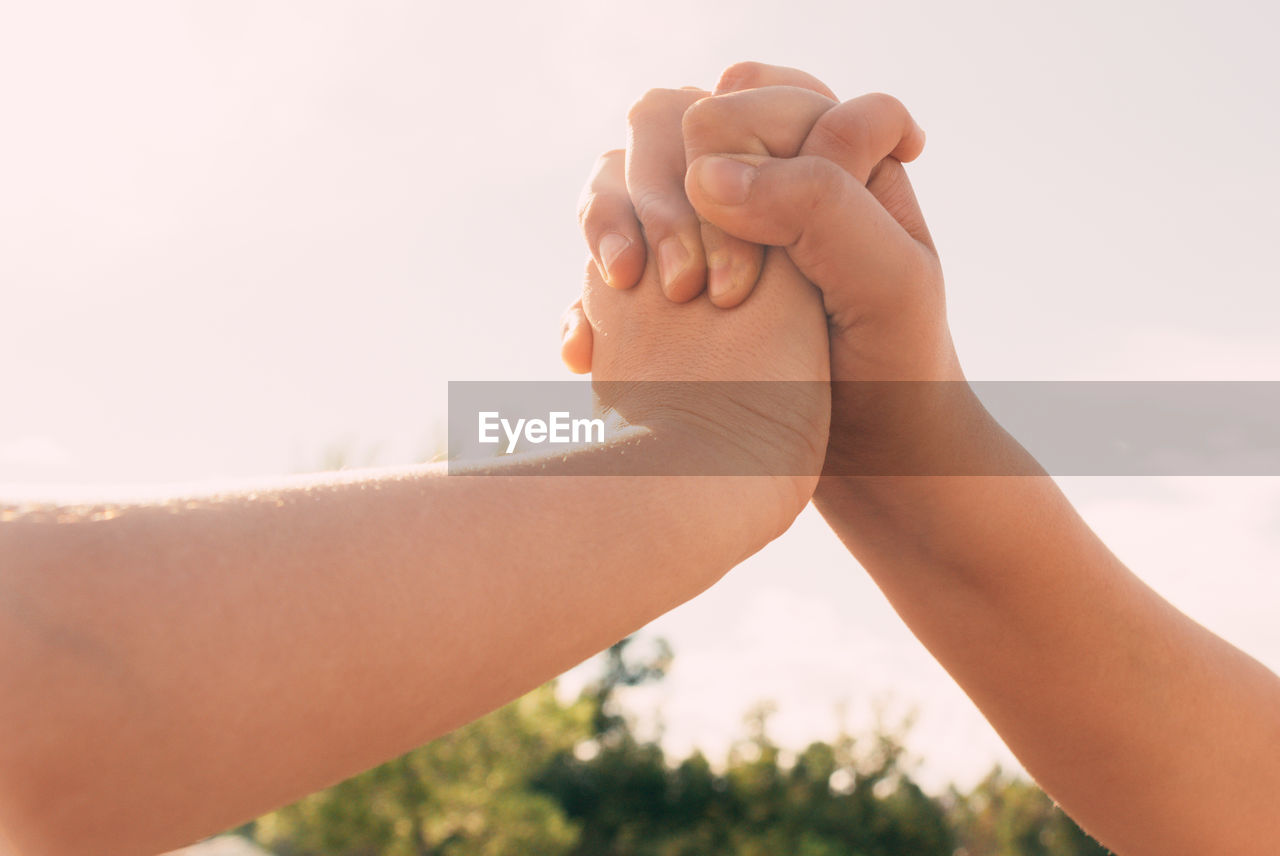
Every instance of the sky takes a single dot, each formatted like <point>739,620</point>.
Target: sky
<point>236,238</point>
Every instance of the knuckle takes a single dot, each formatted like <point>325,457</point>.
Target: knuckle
<point>643,106</point>
<point>885,102</point>
<point>652,207</point>
<point>656,102</point>
<point>609,159</point>
<point>589,197</point>
<point>587,208</point>
<point>850,129</point>
<point>571,311</point>
<point>597,213</point>
<point>843,131</point>
<point>741,75</point>
<point>702,118</point>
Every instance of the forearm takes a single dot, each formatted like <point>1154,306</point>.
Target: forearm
<point>1156,735</point>
<point>171,669</point>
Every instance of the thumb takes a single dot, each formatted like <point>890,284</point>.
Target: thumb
<point>835,231</point>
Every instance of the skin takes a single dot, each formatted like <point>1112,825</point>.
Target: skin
<point>1157,736</point>
<point>619,231</point>
<point>176,667</point>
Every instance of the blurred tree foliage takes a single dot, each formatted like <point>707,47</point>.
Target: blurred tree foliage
<point>1005,815</point>
<point>541,776</point>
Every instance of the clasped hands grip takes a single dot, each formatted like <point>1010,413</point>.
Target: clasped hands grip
<point>764,231</point>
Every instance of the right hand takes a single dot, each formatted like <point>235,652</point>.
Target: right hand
<point>744,393</point>
<point>829,187</point>
<point>642,210</point>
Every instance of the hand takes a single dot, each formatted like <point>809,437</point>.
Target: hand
<point>866,247</point>
<point>680,368</point>
<point>649,196</point>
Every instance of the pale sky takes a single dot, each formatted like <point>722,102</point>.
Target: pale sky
<point>236,235</point>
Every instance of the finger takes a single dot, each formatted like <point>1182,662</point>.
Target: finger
<point>734,265</point>
<point>655,168</point>
<point>837,233</point>
<point>576,339</point>
<point>892,189</point>
<point>861,132</point>
<point>770,121</point>
<point>609,222</point>
<point>869,137</point>
<point>754,75</point>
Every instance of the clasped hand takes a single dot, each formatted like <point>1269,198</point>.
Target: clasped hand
<point>770,189</point>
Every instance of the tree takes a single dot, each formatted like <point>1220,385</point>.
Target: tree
<point>1008,816</point>
<point>465,794</point>
<point>571,779</point>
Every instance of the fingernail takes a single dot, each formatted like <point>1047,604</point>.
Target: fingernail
<point>719,283</point>
<point>673,258</point>
<point>726,181</point>
<point>719,276</point>
<point>611,247</point>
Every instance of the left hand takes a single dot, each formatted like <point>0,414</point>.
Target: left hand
<point>625,213</point>
<point>682,369</point>
<point>829,187</point>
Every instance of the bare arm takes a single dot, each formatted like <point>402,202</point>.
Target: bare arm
<point>1154,734</point>
<point>171,669</point>
<point>1157,736</point>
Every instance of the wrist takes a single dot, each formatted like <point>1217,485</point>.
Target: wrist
<point>747,432</point>
<point>740,487</point>
<point>889,486</point>
<point>902,427</point>
<point>677,503</point>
